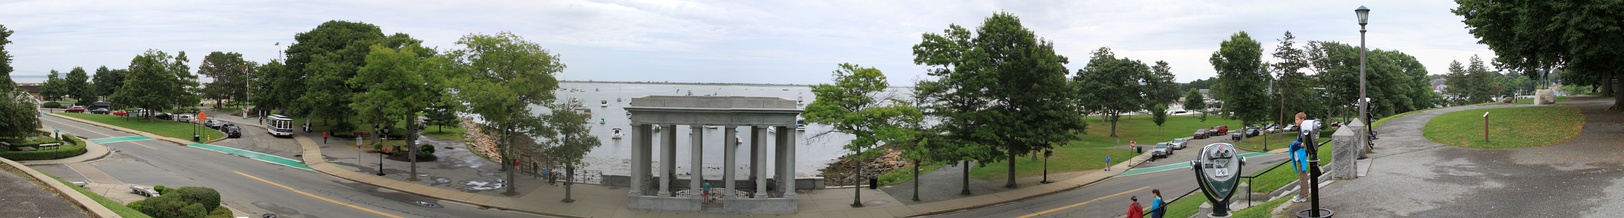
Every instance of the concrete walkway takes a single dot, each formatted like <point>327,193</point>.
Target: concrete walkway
<point>1413,177</point>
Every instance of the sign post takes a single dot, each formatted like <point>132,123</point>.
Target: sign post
<point>1485,127</point>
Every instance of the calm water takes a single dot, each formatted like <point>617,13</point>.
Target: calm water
<point>613,158</point>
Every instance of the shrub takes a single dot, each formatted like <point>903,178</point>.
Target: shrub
<point>344,129</point>
<point>208,197</point>
<point>166,206</point>
<point>136,204</point>
<point>52,104</point>
<point>220,212</point>
<point>67,150</point>
<point>425,151</point>
<point>161,189</point>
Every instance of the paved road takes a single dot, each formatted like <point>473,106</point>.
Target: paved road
<point>250,185</point>
<point>1109,198</point>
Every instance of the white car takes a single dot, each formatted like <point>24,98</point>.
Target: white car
<point>1178,143</point>
<point>184,118</point>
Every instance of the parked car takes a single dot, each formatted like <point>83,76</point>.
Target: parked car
<point>212,124</point>
<point>1178,143</point>
<point>184,118</point>
<point>1223,129</point>
<point>76,109</point>
<point>231,130</point>
<point>121,113</point>
<point>1253,132</point>
<point>144,191</point>
<point>1214,132</point>
<point>1200,134</point>
<point>1162,150</point>
<point>164,116</point>
<point>1291,128</point>
<point>99,111</point>
<point>1235,137</point>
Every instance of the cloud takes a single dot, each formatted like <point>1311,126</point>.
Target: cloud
<point>722,41</point>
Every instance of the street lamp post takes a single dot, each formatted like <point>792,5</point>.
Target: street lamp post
<point>1046,154</point>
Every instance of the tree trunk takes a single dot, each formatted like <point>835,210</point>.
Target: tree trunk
<point>965,166</point>
<point>411,146</point>
<point>1618,91</point>
<point>916,181</point>
<point>1114,119</point>
<point>857,193</point>
<point>217,103</point>
<point>569,181</point>
<point>1606,85</point>
<point>508,161</point>
<point>1011,183</point>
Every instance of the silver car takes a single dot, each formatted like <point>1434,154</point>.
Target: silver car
<point>1162,150</point>
<point>1178,143</point>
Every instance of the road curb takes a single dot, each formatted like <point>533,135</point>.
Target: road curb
<point>137,132</point>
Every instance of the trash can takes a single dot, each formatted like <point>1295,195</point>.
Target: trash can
<point>1137,150</point>
<point>873,182</point>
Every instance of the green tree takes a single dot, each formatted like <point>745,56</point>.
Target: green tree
<point>1470,84</point>
<point>6,84</point>
<point>1003,88</point>
<point>442,114</point>
<point>230,74</point>
<point>322,60</point>
<point>857,104</point>
<point>77,85</point>
<point>571,139</point>
<point>1528,35</point>
<point>275,87</point>
<point>1158,114</point>
<point>54,87</point>
<point>1159,85</point>
<point>503,75</point>
<point>400,84</point>
<point>1242,77</point>
<point>1112,86</point>
<point>152,83</point>
<point>19,116</point>
<point>106,81</point>
<point>1293,88</point>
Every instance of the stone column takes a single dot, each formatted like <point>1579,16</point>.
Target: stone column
<point>1346,146</point>
<point>729,162</point>
<point>639,164</point>
<point>755,157</point>
<point>760,172</point>
<point>695,175</point>
<point>786,140</point>
<point>778,157</point>
<point>668,159</point>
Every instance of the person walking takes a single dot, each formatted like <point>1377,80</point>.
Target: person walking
<point>707,194</point>
<point>324,137</point>
<point>1107,162</point>
<point>1134,210</point>
<point>1157,206</point>
<point>1299,162</point>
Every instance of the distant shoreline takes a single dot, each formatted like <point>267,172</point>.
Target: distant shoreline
<point>699,83</point>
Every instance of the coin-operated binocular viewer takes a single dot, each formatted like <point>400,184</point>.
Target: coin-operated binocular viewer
<point>1309,135</point>
<point>1216,170</point>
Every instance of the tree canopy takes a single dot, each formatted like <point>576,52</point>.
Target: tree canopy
<point>1001,87</point>
<point>1243,78</point>
<point>77,85</point>
<point>230,74</point>
<point>1528,35</point>
<point>1111,86</point>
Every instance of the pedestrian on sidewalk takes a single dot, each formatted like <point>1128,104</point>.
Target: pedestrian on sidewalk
<point>1157,206</point>
<point>1107,162</point>
<point>1299,162</point>
<point>706,195</point>
<point>324,137</point>
<point>1134,210</point>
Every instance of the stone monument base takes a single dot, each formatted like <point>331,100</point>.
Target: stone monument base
<point>1544,97</point>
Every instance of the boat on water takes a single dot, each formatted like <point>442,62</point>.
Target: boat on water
<point>603,103</point>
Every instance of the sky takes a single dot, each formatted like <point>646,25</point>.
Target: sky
<point>779,42</point>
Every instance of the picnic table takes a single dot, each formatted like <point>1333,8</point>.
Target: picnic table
<point>50,146</point>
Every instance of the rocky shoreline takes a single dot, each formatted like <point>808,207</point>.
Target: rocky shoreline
<point>843,171</point>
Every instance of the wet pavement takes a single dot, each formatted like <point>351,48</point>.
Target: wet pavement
<point>1414,177</point>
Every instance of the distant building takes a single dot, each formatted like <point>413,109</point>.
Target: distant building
<point>31,88</point>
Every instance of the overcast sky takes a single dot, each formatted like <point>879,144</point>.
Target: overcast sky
<point>796,42</point>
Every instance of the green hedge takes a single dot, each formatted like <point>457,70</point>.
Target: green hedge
<point>183,202</point>
<point>51,105</point>
<point>73,146</point>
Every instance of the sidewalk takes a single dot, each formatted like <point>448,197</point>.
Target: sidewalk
<point>334,158</point>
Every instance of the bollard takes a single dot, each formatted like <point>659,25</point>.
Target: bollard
<point>1485,127</point>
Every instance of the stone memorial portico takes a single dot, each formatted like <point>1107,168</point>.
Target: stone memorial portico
<point>655,190</point>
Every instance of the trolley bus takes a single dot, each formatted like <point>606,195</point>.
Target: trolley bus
<point>279,125</point>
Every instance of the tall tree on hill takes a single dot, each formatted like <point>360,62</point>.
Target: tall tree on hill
<point>230,74</point>
<point>857,104</point>
<point>502,75</point>
<point>1293,87</point>
<point>1242,77</point>
<point>1529,35</point>
<point>1002,87</point>
<point>1159,85</point>
<point>1112,86</point>
<point>152,83</point>
<point>77,85</point>
<point>275,87</point>
<point>18,113</point>
<point>6,84</point>
<point>106,81</point>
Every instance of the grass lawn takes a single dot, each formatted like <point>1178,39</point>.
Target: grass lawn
<point>1089,152</point>
<point>167,128</point>
<point>1185,207</point>
<point>1275,141</point>
<point>1064,160</point>
<point>1262,210</point>
<point>1279,177</point>
<point>117,208</point>
<point>452,132</point>
<point>1508,127</point>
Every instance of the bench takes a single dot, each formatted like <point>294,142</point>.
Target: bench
<point>50,146</point>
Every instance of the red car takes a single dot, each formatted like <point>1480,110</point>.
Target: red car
<point>1223,130</point>
<point>76,109</point>
<point>120,113</point>
<point>1200,133</point>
